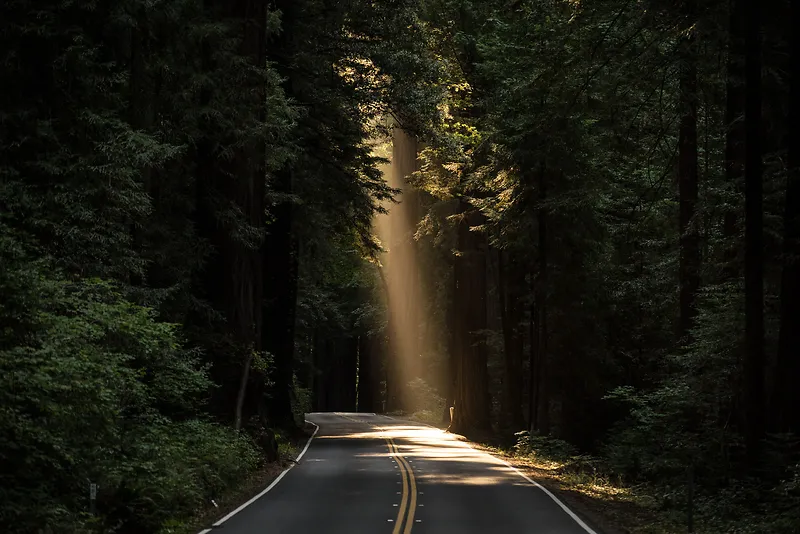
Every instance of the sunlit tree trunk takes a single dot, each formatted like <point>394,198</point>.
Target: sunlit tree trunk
<point>452,340</point>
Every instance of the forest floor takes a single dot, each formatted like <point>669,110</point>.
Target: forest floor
<point>609,507</point>
<point>612,508</point>
<point>249,488</point>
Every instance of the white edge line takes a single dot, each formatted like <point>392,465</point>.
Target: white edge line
<point>274,483</point>
<point>547,492</point>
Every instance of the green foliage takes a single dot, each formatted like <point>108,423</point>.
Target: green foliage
<point>560,126</point>
<point>424,398</point>
<point>301,402</point>
<point>174,470</point>
<point>95,389</point>
<point>145,146</point>
<point>152,153</point>
<point>678,422</point>
<point>545,447</point>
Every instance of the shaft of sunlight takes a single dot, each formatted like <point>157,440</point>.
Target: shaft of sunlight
<point>401,271</point>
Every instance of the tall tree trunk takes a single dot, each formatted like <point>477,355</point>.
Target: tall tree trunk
<point>689,269</point>
<point>314,374</point>
<point>280,253</point>
<point>251,169</point>
<point>281,271</point>
<point>206,280</point>
<point>391,375</point>
<point>754,263</point>
<point>368,373</point>
<point>240,396</point>
<point>735,133</point>
<point>328,367</point>
<point>542,400</point>
<point>453,330</point>
<point>457,341</point>
<point>322,371</point>
<point>231,279</point>
<point>471,391</point>
<point>533,364</point>
<point>509,289</point>
<point>786,405</point>
<point>347,373</point>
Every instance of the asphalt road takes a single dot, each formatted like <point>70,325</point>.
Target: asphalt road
<point>371,474</point>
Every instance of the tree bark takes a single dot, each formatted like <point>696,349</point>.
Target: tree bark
<point>368,374</point>
<point>328,360</point>
<point>689,269</point>
<point>281,254</point>
<point>346,375</point>
<point>471,392</point>
<point>754,267</point>
<point>315,382</point>
<point>541,398</point>
<point>786,403</point>
<point>240,396</point>
<point>509,289</point>
<point>231,278</point>
<point>533,366</point>
<point>248,266</point>
<point>453,330</point>
<point>281,266</point>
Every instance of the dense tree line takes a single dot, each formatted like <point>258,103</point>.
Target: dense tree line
<point>605,202</point>
<point>618,179</point>
<point>186,198</point>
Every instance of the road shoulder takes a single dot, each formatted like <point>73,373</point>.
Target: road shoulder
<point>249,488</point>
<point>594,512</point>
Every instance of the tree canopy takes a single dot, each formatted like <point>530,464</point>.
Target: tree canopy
<point>591,242</point>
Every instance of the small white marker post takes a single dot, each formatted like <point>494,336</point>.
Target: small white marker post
<point>92,498</point>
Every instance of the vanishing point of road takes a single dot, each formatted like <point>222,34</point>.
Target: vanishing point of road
<point>372,474</point>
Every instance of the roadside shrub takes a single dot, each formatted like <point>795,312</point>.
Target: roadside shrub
<point>95,389</point>
<point>544,447</point>
<point>174,470</point>
<point>302,402</point>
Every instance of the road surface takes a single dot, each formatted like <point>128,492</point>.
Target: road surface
<point>371,474</point>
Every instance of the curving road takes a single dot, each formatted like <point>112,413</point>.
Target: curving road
<point>371,474</point>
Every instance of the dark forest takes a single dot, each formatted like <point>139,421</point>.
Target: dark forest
<point>575,223</point>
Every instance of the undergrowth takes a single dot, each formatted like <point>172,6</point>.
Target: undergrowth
<point>738,507</point>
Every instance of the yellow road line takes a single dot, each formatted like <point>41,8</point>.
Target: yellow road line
<point>408,484</point>
<point>412,508</point>
<point>398,525</point>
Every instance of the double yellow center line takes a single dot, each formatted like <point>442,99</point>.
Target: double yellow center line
<point>408,503</point>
